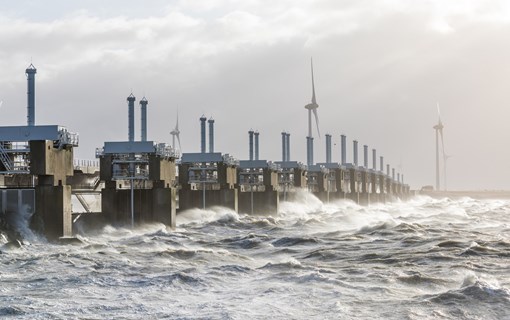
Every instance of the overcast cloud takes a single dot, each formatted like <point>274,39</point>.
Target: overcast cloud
<point>380,68</point>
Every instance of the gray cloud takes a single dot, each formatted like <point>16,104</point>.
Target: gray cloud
<point>381,66</point>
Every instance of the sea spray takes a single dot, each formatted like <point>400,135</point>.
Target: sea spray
<point>323,261</point>
<point>201,216</point>
<point>21,223</point>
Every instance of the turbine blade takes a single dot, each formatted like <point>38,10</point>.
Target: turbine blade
<point>438,112</point>
<point>313,84</point>
<point>179,140</point>
<point>317,121</point>
<point>177,123</point>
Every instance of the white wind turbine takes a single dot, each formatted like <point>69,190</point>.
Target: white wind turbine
<point>439,132</point>
<point>311,107</point>
<point>445,159</point>
<point>175,133</point>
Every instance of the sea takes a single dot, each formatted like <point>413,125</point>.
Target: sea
<point>420,259</point>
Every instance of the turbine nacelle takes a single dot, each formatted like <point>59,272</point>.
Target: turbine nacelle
<point>311,106</point>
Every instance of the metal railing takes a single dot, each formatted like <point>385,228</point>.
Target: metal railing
<point>166,151</point>
<point>230,160</point>
<point>125,174</point>
<point>6,160</point>
<point>66,138</point>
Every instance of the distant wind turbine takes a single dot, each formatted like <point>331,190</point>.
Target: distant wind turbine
<point>311,107</point>
<point>445,159</point>
<point>176,132</point>
<point>439,132</point>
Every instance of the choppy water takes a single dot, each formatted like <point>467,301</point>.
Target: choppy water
<point>423,259</point>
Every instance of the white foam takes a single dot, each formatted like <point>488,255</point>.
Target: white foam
<point>469,279</point>
<point>201,216</point>
<point>21,223</point>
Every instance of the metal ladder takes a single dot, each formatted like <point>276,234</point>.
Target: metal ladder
<point>4,157</point>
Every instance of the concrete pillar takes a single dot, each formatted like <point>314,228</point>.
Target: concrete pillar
<point>143,109</point>
<point>365,187</point>
<point>365,156</point>
<point>284,147</point>
<point>256,145</point>
<point>250,133</point>
<point>343,140</point>
<point>211,135</point>
<point>354,185</point>
<point>309,151</point>
<point>328,148</point>
<point>300,178</point>
<point>287,146</point>
<point>375,192</point>
<point>52,194</point>
<point>374,159</point>
<point>30,72</point>
<point>202,134</point>
<point>131,117</point>
<point>355,153</point>
<point>339,180</point>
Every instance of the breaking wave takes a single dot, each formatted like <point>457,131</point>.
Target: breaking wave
<point>421,259</point>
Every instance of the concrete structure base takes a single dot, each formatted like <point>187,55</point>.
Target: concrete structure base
<point>189,199</point>
<point>365,198</point>
<point>354,196</point>
<point>266,202</point>
<point>53,211</point>
<point>150,205</point>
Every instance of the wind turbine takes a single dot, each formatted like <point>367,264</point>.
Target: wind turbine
<point>175,133</point>
<point>445,159</point>
<point>311,107</point>
<point>439,132</point>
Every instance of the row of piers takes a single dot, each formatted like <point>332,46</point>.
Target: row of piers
<point>145,181</point>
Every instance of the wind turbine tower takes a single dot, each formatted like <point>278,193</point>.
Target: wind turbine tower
<point>175,133</point>
<point>439,132</point>
<point>311,107</point>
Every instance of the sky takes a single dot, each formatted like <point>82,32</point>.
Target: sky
<point>381,67</point>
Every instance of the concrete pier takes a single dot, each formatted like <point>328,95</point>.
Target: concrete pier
<point>258,187</point>
<point>291,178</point>
<point>208,180</point>
<point>321,182</point>
<point>339,182</point>
<point>366,187</point>
<point>52,193</point>
<point>355,182</point>
<point>376,192</point>
<point>44,167</point>
<point>139,177</point>
<point>39,158</point>
<point>140,182</point>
